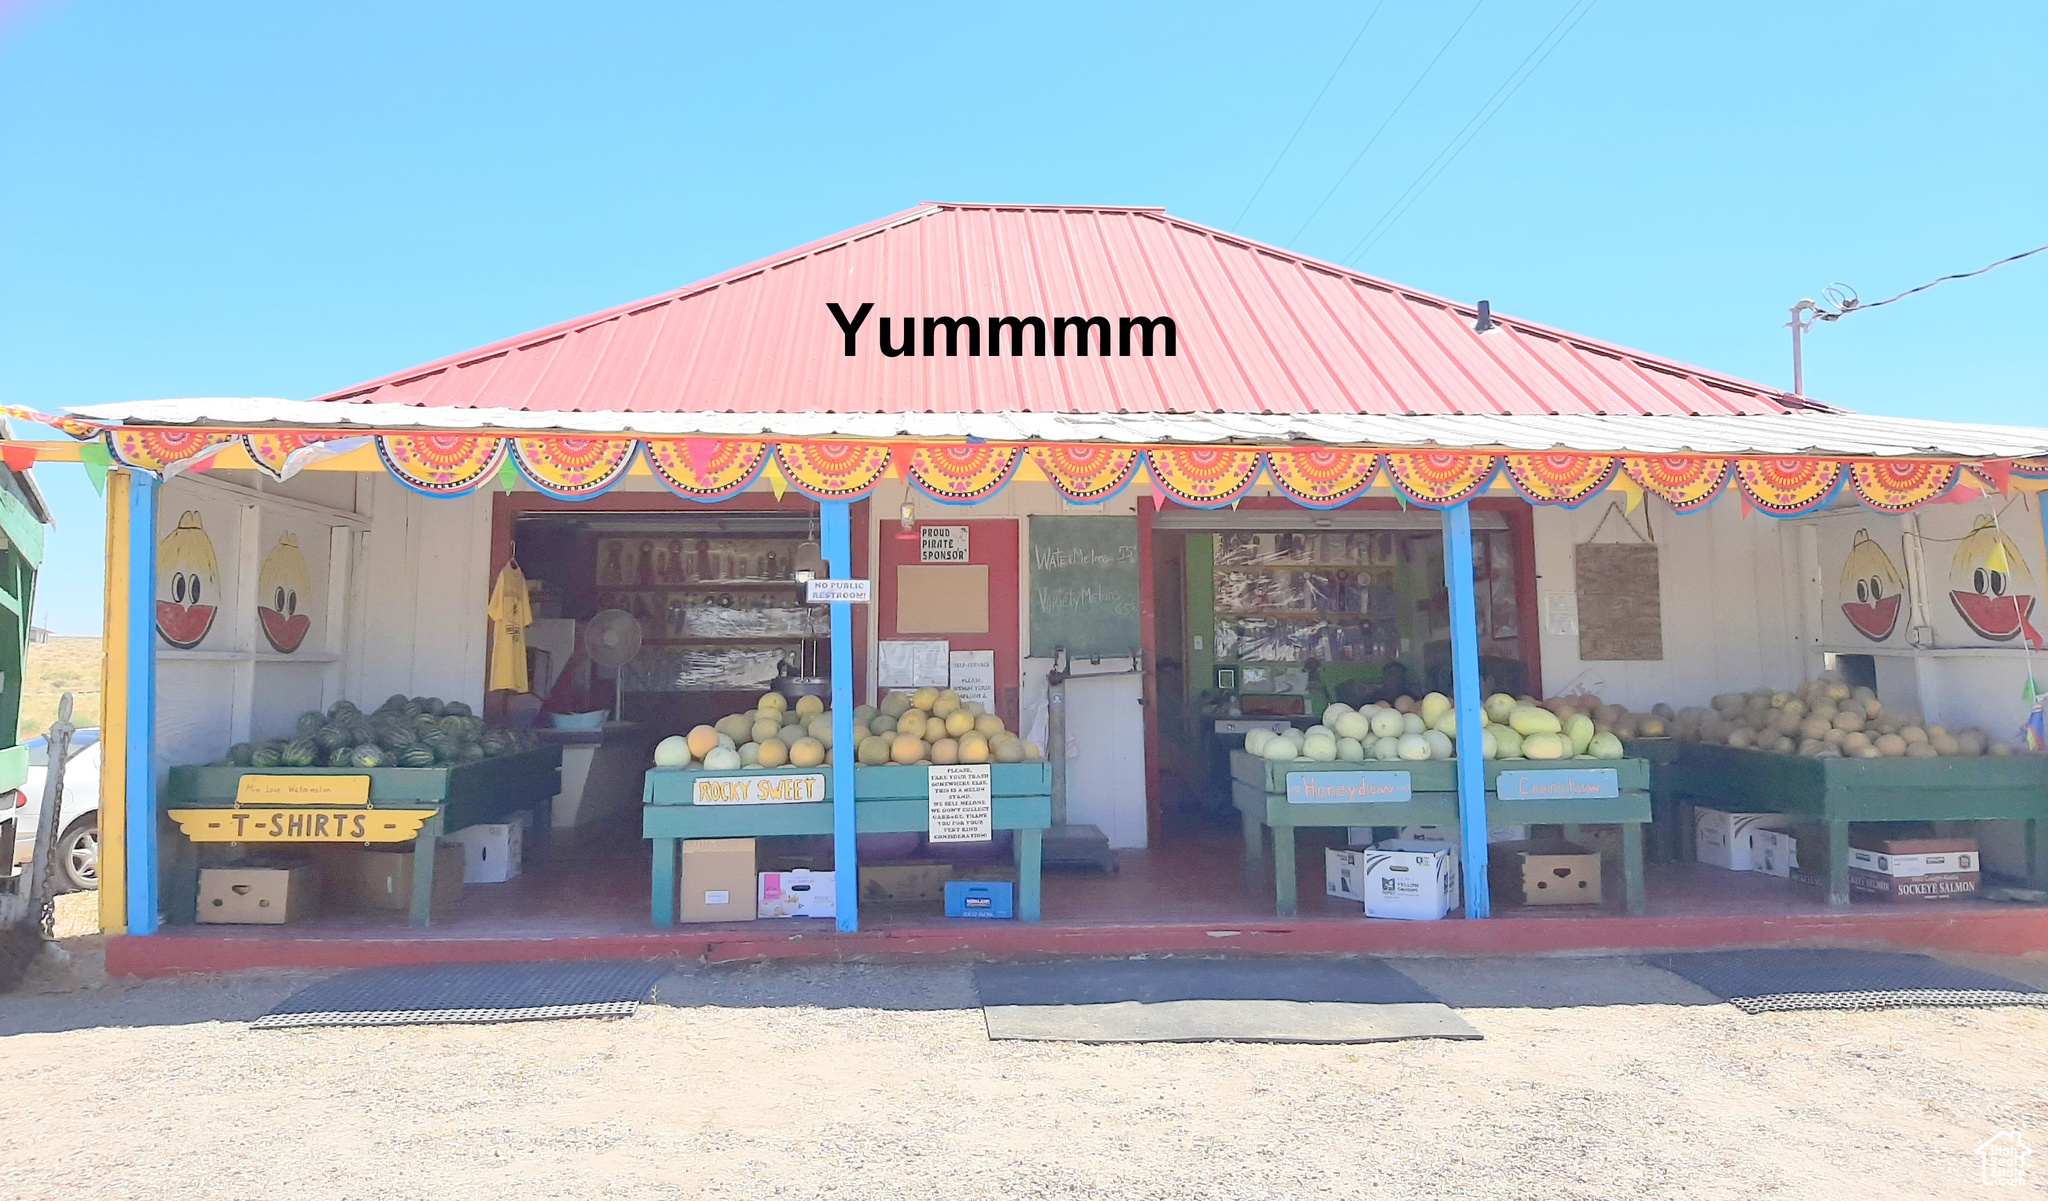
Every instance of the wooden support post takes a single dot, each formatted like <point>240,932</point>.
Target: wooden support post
<point>1838,863</point>
<point>834,522</point>
<point>1472,823</point>
<point>665,882</point>
<point>424,846</point>
<point>114,715</point>
<point>1632,866</point>
<point>140,603</point>
<point>1286,881</point>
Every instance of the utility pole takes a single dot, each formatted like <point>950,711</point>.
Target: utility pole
<point>1804,314</point>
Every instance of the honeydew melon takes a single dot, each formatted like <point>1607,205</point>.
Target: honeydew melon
<point>1413,747</point>
<point>1351,750</point>
<point>1446,724</point>
<point>1387,748</point>
<point>673,751</point>
<point>1278,750</point>
<point>1355,726</point>
<point>1255,742</point>
<point>1388,724</point>
<point>1412,723</point>
<point>1440,745</point>
<point>1320,747</point>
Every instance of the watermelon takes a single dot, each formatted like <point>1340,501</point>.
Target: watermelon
<point>240,754</point>
<point>395,738</point>
<point>338,708</point>
<point>431,704</point>
<point>393,703</point>
<point>369,756</point>
<point>470,753</point>
<point>270,754</point>
<point>330,736</point>
<point>457,708</point>
<point>454,726</point>
<point>416,756</point>
<point>310,723</point>
<point>301,752</point>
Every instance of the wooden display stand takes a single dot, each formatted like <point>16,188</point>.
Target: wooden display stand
<point>428,800</point>
<point>1259,790</point>
<point>1835,792</point>
<point>888,800</point>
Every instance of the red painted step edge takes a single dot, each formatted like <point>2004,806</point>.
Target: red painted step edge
<point>2014,932</point>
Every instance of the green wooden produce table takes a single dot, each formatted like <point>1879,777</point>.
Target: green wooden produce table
<point>1259,790</point>
<point>1835,792</point>
<point>1670,839</point>
<point>463,794</point>
<point>887,800</point>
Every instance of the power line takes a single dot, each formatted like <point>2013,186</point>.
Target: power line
<point>1843,297</point>
<point>1310,113</point>
<point>1475,125</point>
<point>1390,119</point>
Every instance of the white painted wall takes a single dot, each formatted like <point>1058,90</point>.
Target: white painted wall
<point>1729,591</point>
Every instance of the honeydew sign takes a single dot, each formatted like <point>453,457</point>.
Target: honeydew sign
<point>1347,787</point>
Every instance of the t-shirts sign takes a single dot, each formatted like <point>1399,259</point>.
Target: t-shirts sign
<point>942,544</point>
<point>962,804</point>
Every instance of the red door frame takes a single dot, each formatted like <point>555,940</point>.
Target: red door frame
<point>1521,523</point>
<point>992,542</point>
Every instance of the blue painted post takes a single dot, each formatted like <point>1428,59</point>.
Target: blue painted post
<point>1465,684</point>
<point>142,815</point>
<point>835,532</point>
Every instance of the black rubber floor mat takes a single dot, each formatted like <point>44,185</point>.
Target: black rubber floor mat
<point>1106,981</point>
<point>470,993</point>
<point>1783,981</point>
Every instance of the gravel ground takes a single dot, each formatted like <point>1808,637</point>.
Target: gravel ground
<point>1597,1078</point>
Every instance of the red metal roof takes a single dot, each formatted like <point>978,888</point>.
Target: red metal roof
<point>1260,330</point>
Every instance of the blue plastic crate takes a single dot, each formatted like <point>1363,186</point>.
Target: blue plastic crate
<point>981,898</point>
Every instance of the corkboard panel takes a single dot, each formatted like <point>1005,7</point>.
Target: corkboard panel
<point>942,600</point>
<point>1621,616</point>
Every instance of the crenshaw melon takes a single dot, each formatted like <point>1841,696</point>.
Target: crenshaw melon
<point>1434,706</point>
<point>1529,719</point>
<point>1580,731</point>
<point>1545,746</point>
<point>1507,743</point>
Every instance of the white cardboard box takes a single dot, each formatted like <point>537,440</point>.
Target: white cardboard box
<point>1404,885</point>
<point>1722,839</point>
<point>801,893</point>
<point>1773,852</point>
<point>1453,888</point>
<point>1450,833</point>
<point>1903,867</point>
<point>492,853</point>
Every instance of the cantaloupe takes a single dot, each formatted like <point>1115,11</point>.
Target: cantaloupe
<point>945,704</point>
<point>808,752</point>
<point>863,714</point>
<point>907,749</point>
<point>923,699</point>
<point>1009,749</point>
<point>790,732</point>
<point>973,748</point>
<point>945,751</point>
<point>722,759</point>
<point>674,751</point>
<point>1033,753</point>
<point>1653,727</point>
<point>913,718</point>
<point>772,701</point>
<point>896,703</point>
<point>702,741</point>
<point>882,724</point>
<point>734,725</point>
<point>873,750</point>
<point>774,753</point>
<point>765,727</point>
<point>1893,746</point>
<point>1545,746</point>
<point>820,728</point>
<point>959,722</point>
<point>809,706</point>
<point>988,725</point>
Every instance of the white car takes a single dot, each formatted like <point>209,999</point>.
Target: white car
<point>78,847</point>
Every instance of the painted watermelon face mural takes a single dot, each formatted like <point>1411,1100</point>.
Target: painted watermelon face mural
<point>187,584</point>
<point>1991,587</point>
<point>1871,592</point>
<point>283,588</point>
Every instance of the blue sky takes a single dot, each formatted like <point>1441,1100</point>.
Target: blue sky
<point>259,199</point>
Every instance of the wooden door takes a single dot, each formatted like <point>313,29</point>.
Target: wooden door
<point>968,602</point>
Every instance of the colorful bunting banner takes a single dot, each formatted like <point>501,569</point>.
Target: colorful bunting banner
<point>441,464</point>
<point>153,448</point>
<point>1438,481</point>
<point>1788,487</point>
<point>1204,478</point>
<point>705,469</point>
<point>573,468</point>
<point>1686,483</point>
<point>2030,469</point>
<point>833,470</point>
<point>1566,481</point>
<point>1897,485</point>
<point>272,452</point>
<point>1087,474</point>
<point>1322,479</point>
<point>961,475</point>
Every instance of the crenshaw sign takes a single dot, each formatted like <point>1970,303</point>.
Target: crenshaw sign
<point>1017,332</point>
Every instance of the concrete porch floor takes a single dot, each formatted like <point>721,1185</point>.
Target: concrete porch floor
<point>589,899</point>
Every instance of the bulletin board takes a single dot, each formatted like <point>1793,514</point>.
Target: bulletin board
<point>1621,613</point>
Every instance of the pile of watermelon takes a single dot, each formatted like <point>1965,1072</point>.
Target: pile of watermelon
<point>405,731</point>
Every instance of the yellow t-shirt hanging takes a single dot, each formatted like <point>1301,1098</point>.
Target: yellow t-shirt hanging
<point>510,615</point>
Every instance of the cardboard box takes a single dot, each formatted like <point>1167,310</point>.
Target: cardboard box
<point>717,883</point>
<point>1407,885</point>
<point>799,893</point>
<point>1455,889</point>
<point>981,898</point>
<point>1549,872</point>
<point>1450,833</point>
<point>896,883</point>
<point>1774,853</point>
<point>264,896</point>
<point>1721,839</point>
<point>491,853</point>
<point>1916,868</point>
<point>381,877</point>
